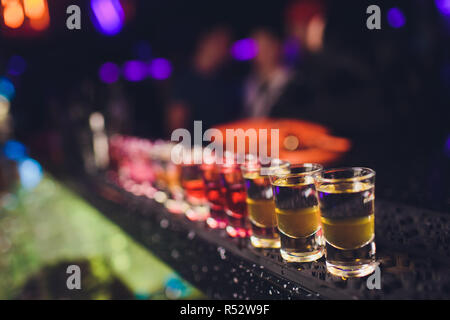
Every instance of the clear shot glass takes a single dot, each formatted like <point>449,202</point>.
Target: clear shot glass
<point>215,195</point>
<point>235,198</point>
<point>194,192</point>
<point>297,212</point>
<point>260,202</point>
<point>347,205</point>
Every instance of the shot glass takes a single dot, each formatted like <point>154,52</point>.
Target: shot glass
<point>347,205</point>
<point>260,203</point>
<point>168,178</point>
<point>297,212</point>
<point>194,192</point>
<point>175,204</point>
<point>215,195</point>
<point>235,198</point>
<point>161,162</point>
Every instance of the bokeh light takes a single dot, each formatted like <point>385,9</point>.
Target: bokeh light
<point>443,7</point>
<point>42,23</point>
<point>16,66</point>
<point>14,150</point>
<point>7,88</point>
<point>108,16</point>
<point>175,288</point>
<point>97,121</point>
<point>396,18</point>
<point>109,72</point>
<point>34,9</point>
<point>447,146</point>
<point>4,108</point>
<point>244,49</point>
<point>13,15</point>
<point>30,173</point>
<point>160,69</point>
<point>134,70</point>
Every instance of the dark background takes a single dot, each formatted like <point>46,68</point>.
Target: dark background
<point>410,65</point>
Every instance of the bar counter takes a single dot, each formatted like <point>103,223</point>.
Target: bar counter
<point>412,248</point>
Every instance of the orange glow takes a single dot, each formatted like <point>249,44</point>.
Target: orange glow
<point>40,24</point>
<point>314,142</point>
<point>43,22</point>
<point>6,2</point>
<point>13,15</point>
<point>34,9</point>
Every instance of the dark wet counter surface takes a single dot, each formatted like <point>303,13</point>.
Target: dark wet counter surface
<point>412,248</point>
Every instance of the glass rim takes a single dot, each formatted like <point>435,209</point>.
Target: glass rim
<point>317,168</point>
<point>274,164</point>
<point>370,173</point>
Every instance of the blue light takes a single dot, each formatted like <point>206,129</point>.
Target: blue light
<point>443,7</point>
<point>109,16</point>
<point>175,288</point>
<point>396,18</point>
<point>7,88</point>
<point>447,146</point>
<point>16,66</point>
<point>14,150</point>
<point>30,173</point>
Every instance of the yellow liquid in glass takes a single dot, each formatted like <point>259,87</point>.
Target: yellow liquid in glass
<point>298,223</point>
<point>349,233</point>
<point>262,212</point>
<point>348,217</point>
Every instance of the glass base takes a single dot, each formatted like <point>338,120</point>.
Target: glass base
<point>265,243</point>
<point>302,249</point>
<point>216,223</point>
<point>348,263</point>
<point>176,206</point>
<point>351,271</point>
<point>238,225</point>
<point>197,213</point>
<point>292,256</point>
<point>265,237</point>
<point>238,232</point>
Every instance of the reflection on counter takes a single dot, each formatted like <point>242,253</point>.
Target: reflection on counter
<point>44,230</point>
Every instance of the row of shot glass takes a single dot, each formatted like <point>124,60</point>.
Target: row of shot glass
<point>303,210</point>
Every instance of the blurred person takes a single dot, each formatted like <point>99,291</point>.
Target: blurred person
<point>204,91</point>
<point>305,23</point>
<point>269,79</point>
<point>331,84</point>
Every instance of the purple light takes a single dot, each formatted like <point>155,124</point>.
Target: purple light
<point>443,6</point>
<point>244,49</point>
<point>396,18</point>
<point>447,146</point>
<point>109,72</point>
<point>291,49</point>
<point>134,70</point>
<point>109,16</point>
<point>160,69</point>
<point>16,65</point>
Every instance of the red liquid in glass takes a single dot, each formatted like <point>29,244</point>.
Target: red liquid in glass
<point>216,201</point>
<point>236,206</point>
<point>195,191</point>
